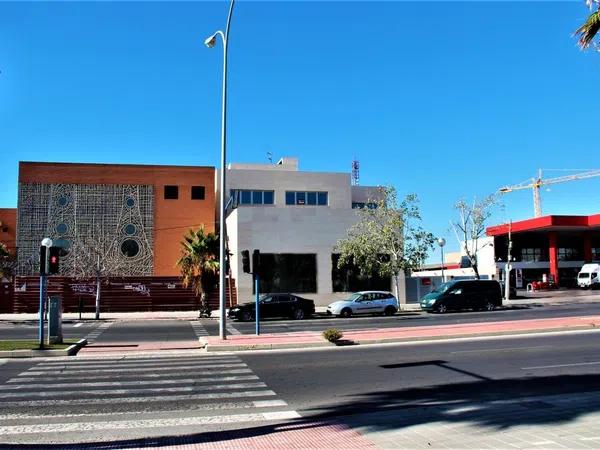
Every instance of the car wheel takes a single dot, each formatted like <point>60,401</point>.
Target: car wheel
<point>247,316</point>
<point>389,311</point>
<point>442,308</point>
<point>489,306</point>
<point>298,314</point>
<point>346,312</point>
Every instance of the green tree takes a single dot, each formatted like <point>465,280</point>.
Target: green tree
<point>470,226</point>
<point>388,238</point>
<point>6,262</point>
<point>590,27</point>
<point>199,262</point>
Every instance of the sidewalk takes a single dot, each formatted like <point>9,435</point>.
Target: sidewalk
<point>389,335</point>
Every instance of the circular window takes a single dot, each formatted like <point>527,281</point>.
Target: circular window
<point>62,228</point>
<point>130,248</point>
<point>63,200</point>
<point>129,229</point>
<point>64,246</point>
<point>130,202</point>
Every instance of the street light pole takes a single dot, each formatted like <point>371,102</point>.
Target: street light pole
<point>210,42</point>
<point>441,243</point>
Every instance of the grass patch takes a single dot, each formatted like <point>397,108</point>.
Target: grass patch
<point>32,345</point>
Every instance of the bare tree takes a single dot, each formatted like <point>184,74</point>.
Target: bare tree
<point>94,256</point>
<point>470,226</point>
<point>7,263</point>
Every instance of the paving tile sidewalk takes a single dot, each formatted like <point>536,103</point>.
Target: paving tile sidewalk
<point>383,335</point>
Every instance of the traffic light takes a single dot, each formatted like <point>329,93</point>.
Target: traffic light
<point>256,262</point>
<point>53,260</point>
<point>246,261</point>
<point>43,260</point>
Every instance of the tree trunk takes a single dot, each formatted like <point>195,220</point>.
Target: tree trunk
<point>476,270</point>
<point>397,288</point>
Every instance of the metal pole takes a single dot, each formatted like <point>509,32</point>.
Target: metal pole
<point>443,278</point>
<point>257,287</point>
<point>222,255</point>
<point>42,304</point>
<point>507,270</point>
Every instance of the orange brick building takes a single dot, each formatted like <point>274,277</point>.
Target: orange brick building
<point>135,214</point>
<point>8,228</point>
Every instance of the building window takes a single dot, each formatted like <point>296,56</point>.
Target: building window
<point>197,192</point>
<point>306,198</point>
<point>62,228</point>
<point>531,254</point>
<point>288,272</point>
<point>569,254</point>
<point>171,192</point>
<point>129,229</point>
<point>247,197</point>
<point>130,202</point>
<point>130,248</point>
<point>361,205</point>
<point>348,278</point>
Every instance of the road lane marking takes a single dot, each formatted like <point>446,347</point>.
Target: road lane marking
<point>78,377</point>
<point>501,349</point>
<point>232,330</point>
<point>153,399</point>
<point>146,423</point>
<point>126,364</point>
<point>197,407</point>
<point>130,369</point>
<point>14,387</point>
<point>88,393</point>
<point>77,325</point>
<point>592,363</point>
<point>136,360</point>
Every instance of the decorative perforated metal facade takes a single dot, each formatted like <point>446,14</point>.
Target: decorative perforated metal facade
<point>107,226</point>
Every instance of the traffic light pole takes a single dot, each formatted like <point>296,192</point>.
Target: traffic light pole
<point>42,307</point>
<point>257,287</point>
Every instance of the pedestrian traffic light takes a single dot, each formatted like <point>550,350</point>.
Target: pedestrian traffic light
<point>53,260</point>
<point>256,262</point>
<point>246,261</point>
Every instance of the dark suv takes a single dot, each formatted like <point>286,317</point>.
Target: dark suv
<point>464,294</point>
<point>275,305</point>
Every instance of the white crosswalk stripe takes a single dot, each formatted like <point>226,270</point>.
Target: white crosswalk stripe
<point>199,329</point>
<point>96,332</point>
<point>62,399</point>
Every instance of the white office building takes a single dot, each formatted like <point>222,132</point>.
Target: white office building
<point>295,219</point>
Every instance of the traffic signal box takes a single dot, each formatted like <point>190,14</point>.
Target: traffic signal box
<point>246,261</point>
<point>53,260</point>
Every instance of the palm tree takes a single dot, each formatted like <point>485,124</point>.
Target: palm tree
<point>199,263</point>
<point>590,28</point>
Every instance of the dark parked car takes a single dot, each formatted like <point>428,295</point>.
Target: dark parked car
<point>275,305</point>
<point>464,294</point>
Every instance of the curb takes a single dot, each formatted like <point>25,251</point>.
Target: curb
<point>302,345</point>
<point>69,351</point>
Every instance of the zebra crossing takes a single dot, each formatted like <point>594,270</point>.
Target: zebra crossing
<point>96,332</point>
<point>198,328</point>
<point>99,399</point>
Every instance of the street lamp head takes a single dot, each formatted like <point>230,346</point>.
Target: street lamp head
<point>441,242</point>
<point>47,242</point>
<point>210,41</point>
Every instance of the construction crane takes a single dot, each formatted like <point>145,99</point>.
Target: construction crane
<point>537,182</point>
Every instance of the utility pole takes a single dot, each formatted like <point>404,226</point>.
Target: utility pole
<point>507,269</point>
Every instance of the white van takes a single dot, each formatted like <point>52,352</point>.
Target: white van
<point>589,276</point>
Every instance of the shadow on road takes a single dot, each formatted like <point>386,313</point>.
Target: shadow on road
<point>497,404</point>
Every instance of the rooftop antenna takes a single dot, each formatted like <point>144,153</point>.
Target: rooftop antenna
<point>270,157</point>
<point>355,172</point>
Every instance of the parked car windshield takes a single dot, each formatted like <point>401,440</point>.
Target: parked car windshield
<point>444,287</point>
<point>354,297</point>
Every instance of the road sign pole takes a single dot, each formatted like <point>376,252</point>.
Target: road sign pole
<point>42,304</point>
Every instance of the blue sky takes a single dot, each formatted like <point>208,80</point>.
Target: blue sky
<point>446,99</point>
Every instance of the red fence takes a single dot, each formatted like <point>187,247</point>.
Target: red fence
<point>127,294</point>
<point>6,297</point>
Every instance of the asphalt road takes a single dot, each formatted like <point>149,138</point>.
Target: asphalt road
<point>415,319</point>
<point>72,330</point>
<point>549,380</point>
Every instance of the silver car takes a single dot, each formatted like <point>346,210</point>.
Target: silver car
<point>365,302</point>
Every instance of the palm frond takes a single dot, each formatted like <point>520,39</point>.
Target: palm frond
<point>588,30</point>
